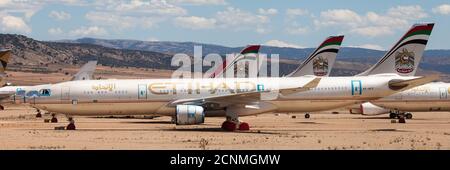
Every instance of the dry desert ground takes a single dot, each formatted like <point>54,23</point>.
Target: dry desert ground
<point>20,129</point>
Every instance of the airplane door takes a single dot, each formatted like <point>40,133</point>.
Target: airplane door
<point>65,93</point>
<point>443,93</point>
<point>142,91</point>
<point>356,87</point>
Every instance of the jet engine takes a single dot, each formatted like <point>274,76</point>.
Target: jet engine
<point>370,109</point>
<point>189,115</point>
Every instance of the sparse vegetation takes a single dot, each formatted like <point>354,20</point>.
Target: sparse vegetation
<point>203,143</point>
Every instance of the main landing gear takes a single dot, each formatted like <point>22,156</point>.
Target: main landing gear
<point>232,123</point>
<point>54,119</point>
<point>402,116</point>
<point>71,125</point>
<point>38,114</point>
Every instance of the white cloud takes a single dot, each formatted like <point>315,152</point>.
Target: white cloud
<point>235,19</point>
<point>120,22</point>
<point>270,11</point>
<point>59,15</point>
<point>411,12</point>
<point>155,7</point>
<point>152,39</point>
<point>88,31</point>
<point>13,24</point>
<point>443,9</point>
<point>195,23</point>
<point>55,31</point>
<point>369,46</point>
<point>297,30</point>
<point>294,12</point>
<point>373,31</point>
<point>199,2</point>
<point>278,43</point>
<point>339,17</point>
<point>371,24</point>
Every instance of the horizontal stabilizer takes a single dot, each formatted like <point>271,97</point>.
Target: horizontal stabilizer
<point>408,84</point>
<point>311,84</point>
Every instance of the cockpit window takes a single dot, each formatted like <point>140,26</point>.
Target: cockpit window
<point>20,92</point>
<point>44,92</point>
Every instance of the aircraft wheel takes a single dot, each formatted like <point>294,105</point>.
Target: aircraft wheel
<point>228,126</point>
<point>54,119</point>
<point>2,107</point>
<point>392,115</point>
<point>71,125</point>
<point>408,116</point>
<point>307,116</point>
<point>244,126</point>
<point>38,114</point>
<point>401,119</point>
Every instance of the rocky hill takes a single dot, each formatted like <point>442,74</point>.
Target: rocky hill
<point>27,51</point>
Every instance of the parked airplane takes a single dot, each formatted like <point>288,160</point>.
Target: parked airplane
<point>321,61</point>
<point>406,53</point>
<point>190,100</point>
<point>18,94</point>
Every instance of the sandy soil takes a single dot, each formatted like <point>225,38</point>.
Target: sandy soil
<point>19,129</point>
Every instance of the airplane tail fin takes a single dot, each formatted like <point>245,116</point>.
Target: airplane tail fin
<point>250,49</point>
<point>86,72</point>
<point>5,55</point>
<point>404,57</point>
<point>321,61</point>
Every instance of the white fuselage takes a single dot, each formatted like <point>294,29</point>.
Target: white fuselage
<point>18,94</point>
<point>428,97</point>
<point>151,96</point>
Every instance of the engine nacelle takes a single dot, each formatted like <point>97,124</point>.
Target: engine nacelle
<point>368,108</point>
<point>189,115</point>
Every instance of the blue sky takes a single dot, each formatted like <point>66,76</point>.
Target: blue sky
<point>370,24</point>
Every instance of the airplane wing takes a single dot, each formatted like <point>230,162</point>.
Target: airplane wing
<point>241,98</point>
<point>403,85</point>
<point>86,71</point>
